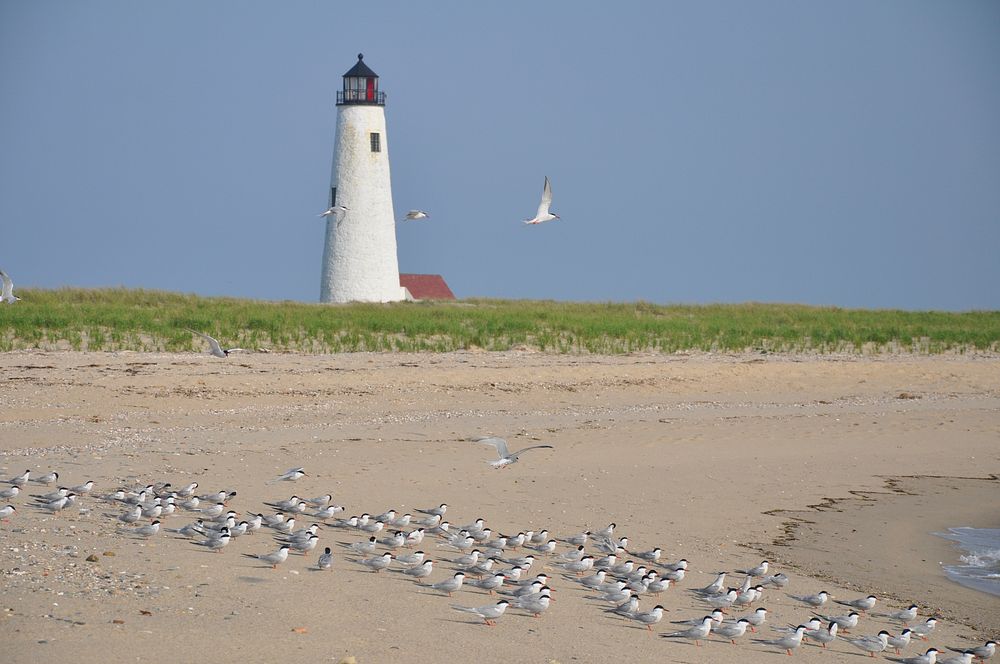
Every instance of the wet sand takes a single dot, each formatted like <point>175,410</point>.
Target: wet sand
<point>713,458</point>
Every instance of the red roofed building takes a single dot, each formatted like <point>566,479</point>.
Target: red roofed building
<point>426,286</point>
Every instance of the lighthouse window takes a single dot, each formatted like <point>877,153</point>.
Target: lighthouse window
<point>376,141</point>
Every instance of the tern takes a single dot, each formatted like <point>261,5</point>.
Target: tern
<point>48,478</point>
<point>983,652</point>
<point>6,511</point>
<point>714,588</point>
<point>213,345</point>
<point>861,604</point>
<point>924,629</point>
<point>290,475</point>
<point>434,511</point>
<point>823,636</point>
<point>871,644</point>
<point>325,559</point>
<point>7,295</point>
<point>273,559</point>
<point>905,616</point>
<point>505,456</point>
<point>815,601</point>
<point>788,643</point>
<point>733,631</point>
<point>757,618</point>
<point>897,643</point>
<point>451,584</point>
<point>929,657</point>
<point>489,614</point>
<point>779,580</point>
<point>850,621</point>
<point>696,633</point>
<point>543,213</point>
<point>378,563</point>
<point>334,212</point>
<point>534,605</point>
<point>759,570</point>
<point>414,215</point>
<point>649,618</point>
<point>216,543</point>
<point>147,531</point>
<point>20,480</point>
<point>964,658</point>
<point>421,571</point>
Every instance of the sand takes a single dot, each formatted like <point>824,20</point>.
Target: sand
<point>836,469</point>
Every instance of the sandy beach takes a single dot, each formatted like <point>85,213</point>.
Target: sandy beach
<point>836,469</point>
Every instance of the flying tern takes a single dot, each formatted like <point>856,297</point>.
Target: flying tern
<point>505,456</point>
<point>213,345</point>
<point>543,214</point>
<point>7,295</point>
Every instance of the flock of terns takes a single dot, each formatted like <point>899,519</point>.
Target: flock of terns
<point>617,576</point>
<point>542,215</point>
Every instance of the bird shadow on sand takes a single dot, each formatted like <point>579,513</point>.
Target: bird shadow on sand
<point>253,579</point>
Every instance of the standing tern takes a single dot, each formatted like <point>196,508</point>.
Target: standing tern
<point>451,584</point>
<point>815,601</point>
<point>649,618</point>
<point>48,478</point>
<point>489,614</point>
<point>543,213</point>
<point>325,559</point>
<point>21,480</point>
<point>871,644</point>
<point>924,629</point>
<point>823,636</point>
<point>7,295</point>
<point>733,631</point>
<point>697,633</point>
<point>273,559</point>
<point>787,643</point>
<point>929,657</point>
<point>759,570</point>
<point>757,618</point>
<point>505,456</point>
<point>861,604</point>
<point>905,616</point>
<point>850,621</point>
<point>290,475</point>
<point>897,643</point>
<point>983,652</point>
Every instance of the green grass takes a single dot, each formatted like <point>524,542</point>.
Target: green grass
<point>120,319</point>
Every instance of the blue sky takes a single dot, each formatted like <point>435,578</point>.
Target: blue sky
<point>838,153</point>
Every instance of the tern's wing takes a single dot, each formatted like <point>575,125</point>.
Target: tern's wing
<point>499,443</point>
<point>533,447</point>
<point>8,285</point>
<point>543,207</point>
<point>214,346</point>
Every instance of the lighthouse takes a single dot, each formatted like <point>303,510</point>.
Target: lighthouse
<point>359,258</point>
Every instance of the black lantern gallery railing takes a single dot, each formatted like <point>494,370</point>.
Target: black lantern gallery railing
<point>360,97</point>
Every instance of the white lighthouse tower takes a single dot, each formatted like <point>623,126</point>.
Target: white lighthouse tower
<point>359,259</point>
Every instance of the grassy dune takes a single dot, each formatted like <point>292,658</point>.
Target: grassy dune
<point>120,319</point>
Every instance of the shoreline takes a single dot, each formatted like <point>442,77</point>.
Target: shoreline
<point>868,524</point>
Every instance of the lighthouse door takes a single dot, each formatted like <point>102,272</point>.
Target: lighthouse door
<point>370,89</point>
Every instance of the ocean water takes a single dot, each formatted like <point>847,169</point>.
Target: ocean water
<point>978,565</point>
